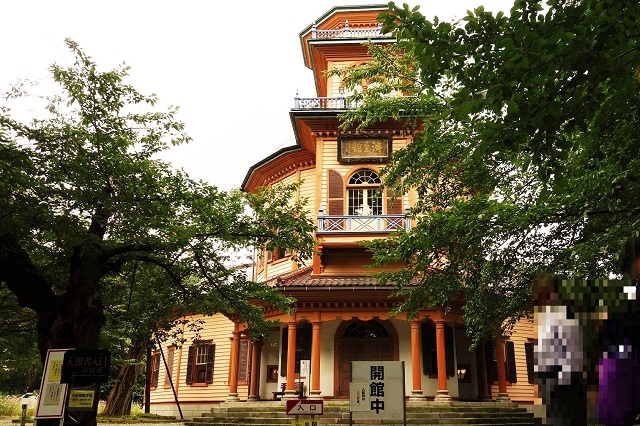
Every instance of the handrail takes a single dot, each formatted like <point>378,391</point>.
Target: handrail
<point>346,32</point>
<point>338,102</point>
<point>384,223</point>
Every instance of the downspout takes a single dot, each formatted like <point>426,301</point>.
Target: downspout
<point>166,367</point>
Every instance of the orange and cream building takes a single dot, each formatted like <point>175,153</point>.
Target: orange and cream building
<point>342,313</point>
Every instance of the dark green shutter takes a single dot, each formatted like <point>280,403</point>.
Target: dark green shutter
<point>303,344</point>
<point>448,347</point>
<point>428,337</point>
<point>528,352</point>
<point>190,365</point>
<point>512,377</point>
<point>156,370</point>
<point>211,351</point>
<point>283,355</point>
<point>492,370</point>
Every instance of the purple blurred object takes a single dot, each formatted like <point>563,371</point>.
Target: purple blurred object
<point>619,392</point>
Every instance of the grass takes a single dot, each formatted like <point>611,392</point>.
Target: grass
<point>10,406</point>
<point>136,408</point>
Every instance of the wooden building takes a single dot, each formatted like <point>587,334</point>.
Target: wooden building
<point>342,314</point>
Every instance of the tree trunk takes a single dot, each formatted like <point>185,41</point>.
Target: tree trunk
<point>121,395</point>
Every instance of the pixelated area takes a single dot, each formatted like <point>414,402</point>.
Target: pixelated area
<point>587,357</point>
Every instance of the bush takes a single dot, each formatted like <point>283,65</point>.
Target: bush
<point>10,406</point>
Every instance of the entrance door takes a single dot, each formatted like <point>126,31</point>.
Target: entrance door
<point>362,341</point>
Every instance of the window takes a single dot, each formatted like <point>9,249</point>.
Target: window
<point>279,253</point>
<point>430,352</point>
<point>167,378</point>
<point>155,369</point>
<point>365,197</point>
<point>200,364</point>
<point>303,346</point>
<point>509,361</point>
<point>272,374</point>
<point>366,330</point>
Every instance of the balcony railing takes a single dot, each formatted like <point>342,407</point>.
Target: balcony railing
<point>368,224</point>
<point>339,102</point>
<point>346,32</point>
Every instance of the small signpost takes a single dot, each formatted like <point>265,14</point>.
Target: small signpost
<point>305,407</point>
<point>83,371</point>
<point>53,394</point>
<point>85,366</point>
<point>377,390</point>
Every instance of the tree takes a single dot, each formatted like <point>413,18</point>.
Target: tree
<point>526,166</point>
<point>84,201</point>
<point>19,358</point>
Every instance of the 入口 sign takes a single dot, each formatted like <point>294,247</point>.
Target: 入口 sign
<point>305,407</point>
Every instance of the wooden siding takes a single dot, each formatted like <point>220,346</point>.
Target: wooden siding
<point>352,261</point>
<point>278,267</point>
<point>308,188</point>
<point>218,330</point>
<point>522,391</point>
<point>334,81</point>
<point>267,270</point>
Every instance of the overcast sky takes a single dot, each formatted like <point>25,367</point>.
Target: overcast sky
<point>233,67</point>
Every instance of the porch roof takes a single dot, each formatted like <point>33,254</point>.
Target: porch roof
<point>303,278</point>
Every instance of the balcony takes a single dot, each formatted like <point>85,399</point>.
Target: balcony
<point>339,102</point>
<point>384,223</point>
<point>346,32</point>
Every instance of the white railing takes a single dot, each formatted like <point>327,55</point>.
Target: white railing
<point>339,102</point>
<point>367,224</point>
<point>346,32</point>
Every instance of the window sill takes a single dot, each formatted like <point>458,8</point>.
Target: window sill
<point>199,385</point>
<point>275,262</point>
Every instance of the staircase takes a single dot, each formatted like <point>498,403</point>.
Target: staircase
<point>269,413</point>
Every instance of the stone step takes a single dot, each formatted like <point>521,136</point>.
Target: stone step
<point>337,413</point>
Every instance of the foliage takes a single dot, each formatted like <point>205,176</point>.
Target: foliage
<point>20,366</point>
<point>93,226</point>
<point>526,165</point>
<point>11,406</point>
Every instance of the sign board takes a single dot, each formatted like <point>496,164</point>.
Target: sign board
<point>52,393</point>
<point>377,390</point>
<point>305,367</point>
<point>82,405</point>
<point>364,148</point>
<point>86,366</point>
<point>305,407</point>
<point>81,399</point>
<point>305,422</point>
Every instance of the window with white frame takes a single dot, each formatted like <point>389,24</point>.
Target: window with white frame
<point>365,196</point>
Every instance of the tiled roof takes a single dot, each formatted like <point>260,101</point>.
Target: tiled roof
<point>302,278</point>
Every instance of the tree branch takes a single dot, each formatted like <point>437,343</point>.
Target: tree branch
<point>22,277</point>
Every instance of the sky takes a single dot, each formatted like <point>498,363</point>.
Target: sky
<point>233,67</point>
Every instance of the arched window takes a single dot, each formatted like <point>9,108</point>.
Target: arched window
<point>371,329</point>
<point>365,197</point>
